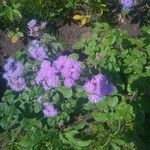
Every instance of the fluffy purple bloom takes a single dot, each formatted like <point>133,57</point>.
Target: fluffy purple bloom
<point>69,82</point>
<point>59,64</point>
<point>13,75</point>
<point>69,69</point>
<point>36,51</point>
<point>49,110</point>
<point>126,4</point>
<point>16,83</point>
<point>8,64</point>
<point>47,76</point>
<point>33,28</point>
<point>98,87</point>
<point>35,43</point>
<point>13,67</point>
<point>32,23</point>
<point>94,98</point>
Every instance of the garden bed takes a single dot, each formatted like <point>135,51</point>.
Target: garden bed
<point>74,75</point>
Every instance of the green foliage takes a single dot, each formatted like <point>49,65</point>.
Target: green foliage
<point>98,6</point>
<point>126,61</point>
<point>113,52</point>
<point>10,11</point>
<point>51,42</point>
<point>113,123</point>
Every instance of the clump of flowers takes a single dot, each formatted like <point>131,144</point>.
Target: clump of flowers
<point>69,69</point>
<point>13,75</point>
<point>46,76</point>
<point>49,110</point>
<point>126,4</point>
<point>37,51</point>
<point>35,27</point>
<point>98,87</point>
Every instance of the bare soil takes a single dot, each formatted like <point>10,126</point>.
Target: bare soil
<point>7,48</point>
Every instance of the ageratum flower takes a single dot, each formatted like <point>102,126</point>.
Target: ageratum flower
<point>46,76</point>
<point>33,28</point>
<point>13,75</point>
<point>98,87</point>
<point>13,67</point>
<point>16,83</point>
<point>35,43</point>
<point>32,23</point>
<point>9,63</point>
<point>69,82</point>
<point>126,4</point>
<point>69,69</point>
<point>49,110</point>
<point>36,51</point>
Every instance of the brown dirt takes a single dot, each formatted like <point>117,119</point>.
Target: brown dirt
<point>7,48</point>
<point>71,33</point>
<point>126,24</point>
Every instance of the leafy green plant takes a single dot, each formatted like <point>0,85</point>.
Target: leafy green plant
<point>10,12</point>
<point>111,50</point>
<point>114,122</point>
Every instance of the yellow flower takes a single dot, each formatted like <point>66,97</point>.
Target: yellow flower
<point>14,36</point>
<point>83,19</point>
<point>14,39</point>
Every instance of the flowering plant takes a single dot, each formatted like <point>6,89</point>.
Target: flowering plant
<point>66,102</point>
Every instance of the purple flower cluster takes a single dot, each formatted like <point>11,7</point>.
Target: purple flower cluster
<point>98,87</point>
<point>37,51</point>
<point>126,4</point>
<point>35,27</point>
<point>13,75</point>
<point>49,110</point>
<point>46,76</point>
<point>69,69</point>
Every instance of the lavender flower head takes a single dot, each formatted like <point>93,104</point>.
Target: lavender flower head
<point>32,23</point>
<point>35,43</point>
<point>69,69</point>
<point>33,28</point>
<point>126,4</point>
<point>36,51</point>
<point>13,75</point>
<point>8,64</point>
<point>49,110</point>
<point>46,76</point>
<point>98,87</point>
<point>13,67</point>
<point>16,83</point>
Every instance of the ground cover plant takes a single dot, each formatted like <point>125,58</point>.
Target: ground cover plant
<point>93,94</point>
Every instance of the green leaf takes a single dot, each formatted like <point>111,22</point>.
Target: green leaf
<point>79,89</point>
<point>115,147</point>
<point>66,92</point>
<point>100,116</point>
<point>102,105</point>
<point>74,56</point>
<point>112,101</point>
<point>51,122</point>
<point>79,45</point>
<point>25,96</point>
<point>88,106</point>
<point>76,143</point>
<point>17,14</point>
<point>37,107</point>
<point>56,98</point>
